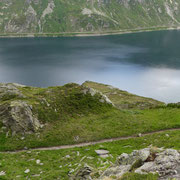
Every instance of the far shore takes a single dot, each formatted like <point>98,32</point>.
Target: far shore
<point>83,34</point>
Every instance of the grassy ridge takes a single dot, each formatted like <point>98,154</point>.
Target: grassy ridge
<point>70,116</point>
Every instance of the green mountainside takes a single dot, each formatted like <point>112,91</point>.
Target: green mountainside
<point>87,16</point>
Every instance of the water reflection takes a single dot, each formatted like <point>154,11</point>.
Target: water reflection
<point>146,64</point>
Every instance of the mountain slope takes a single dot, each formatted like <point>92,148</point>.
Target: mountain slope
<point>55,16</point>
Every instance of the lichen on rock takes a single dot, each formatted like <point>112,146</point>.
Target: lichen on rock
<point>17,116</point>
<point>8,91</point>
<point>166,163</point>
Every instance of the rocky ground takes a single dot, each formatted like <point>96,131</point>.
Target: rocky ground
<point>163,162</point>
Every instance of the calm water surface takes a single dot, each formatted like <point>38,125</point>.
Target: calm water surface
<point>147,64</point>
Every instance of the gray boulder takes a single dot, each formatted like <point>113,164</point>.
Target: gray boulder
<point>166,163</point>
<point>83,173</point>
<point>9,91</point>
<point>93,92</point>
<point>18,117</point>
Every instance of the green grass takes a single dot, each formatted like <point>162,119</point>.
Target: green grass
<point>57,165</point>
<point>71,117</point>
<point>94,127</point>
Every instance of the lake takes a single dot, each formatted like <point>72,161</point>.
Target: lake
<point>146,64</point>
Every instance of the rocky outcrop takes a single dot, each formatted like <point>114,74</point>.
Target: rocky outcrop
<point>121,99</point>
<point>103,98</point>
<point>15,113</point>
<point>17,116</point>
<point>9,91</point>
<point>165,163</point>
<point>83,173</point>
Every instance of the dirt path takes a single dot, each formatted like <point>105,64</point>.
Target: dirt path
<point>92,143</point>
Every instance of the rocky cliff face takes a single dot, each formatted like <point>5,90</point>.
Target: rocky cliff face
<point>54,16</point>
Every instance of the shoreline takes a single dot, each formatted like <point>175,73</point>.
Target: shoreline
<point>85,34</point>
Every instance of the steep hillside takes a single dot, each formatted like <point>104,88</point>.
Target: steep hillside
<point>57,16</point>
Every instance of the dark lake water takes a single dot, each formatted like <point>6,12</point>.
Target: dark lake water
<point>147,64</point>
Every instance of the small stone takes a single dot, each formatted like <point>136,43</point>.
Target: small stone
<point>102,153</point>
<point>27,171</point>
<point>71,171</point>
<point>38,161</point>
<point>2,173</point>
<point>139,135</point>
<point>67,156</point>
<point>167,135</point>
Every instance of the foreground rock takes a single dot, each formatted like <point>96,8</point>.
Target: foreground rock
<point>166,163</point>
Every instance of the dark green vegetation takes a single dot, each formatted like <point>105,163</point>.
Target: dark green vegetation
<point>71,114</point>
<point>53,17</point>
<point>57,165</point>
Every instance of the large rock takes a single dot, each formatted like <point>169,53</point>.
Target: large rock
<point>18,117</point>
<point>127,162</point>
<point>166,163</point>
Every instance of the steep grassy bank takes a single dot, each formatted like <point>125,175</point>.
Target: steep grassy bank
<point>58,16</point>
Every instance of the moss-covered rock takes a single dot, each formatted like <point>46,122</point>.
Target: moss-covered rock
<point>17,116</point>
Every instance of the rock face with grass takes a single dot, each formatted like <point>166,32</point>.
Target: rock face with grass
<point>24,109</point>
<point>164,162</point>
<point>122,99</point>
